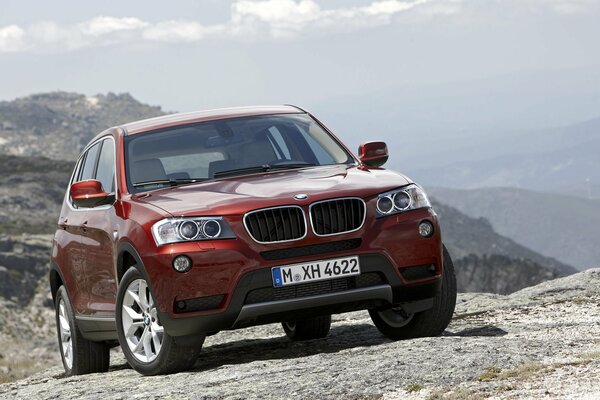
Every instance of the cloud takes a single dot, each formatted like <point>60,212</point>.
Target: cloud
<point>100,26</point>
<point>175,31</point>
<point>11,38</point>
<point>251,20</point>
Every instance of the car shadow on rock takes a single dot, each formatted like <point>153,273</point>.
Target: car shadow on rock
<point>246,351</point>
<point>483,331</point>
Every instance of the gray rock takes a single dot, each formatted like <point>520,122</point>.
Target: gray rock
<point>496,346</point>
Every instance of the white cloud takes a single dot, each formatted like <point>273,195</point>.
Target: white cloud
<point>251,20</point>
<point>11,38</point>
<point>99,26</point>
<point>175,31</point>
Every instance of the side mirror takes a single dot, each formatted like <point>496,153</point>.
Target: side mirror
<point>373,154</point>
<point>89,194</point>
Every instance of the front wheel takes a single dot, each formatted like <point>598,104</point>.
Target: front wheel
<point>148,348</point>
<point>397,324</point>
<point>79,355</point>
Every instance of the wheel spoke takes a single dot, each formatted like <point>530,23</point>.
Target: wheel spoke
<point>135,299</point>
<point>132,329</point>
<point>157,341</point>
<point>62,317</point>
<point>147,343</point>
<point>134,315</point>
<point>142,295</point>
<point>140,344</point>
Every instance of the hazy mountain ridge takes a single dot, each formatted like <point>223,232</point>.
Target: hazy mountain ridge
<point>31,192</point>
<point>555,160</point>
<point>558,225</point>
<point>57,125</point>
<point>488,262</point>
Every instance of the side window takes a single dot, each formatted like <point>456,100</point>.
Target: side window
<point>87,172</point>
<point>106,166</point>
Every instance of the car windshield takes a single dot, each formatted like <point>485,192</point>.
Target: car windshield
<point>222,148</point>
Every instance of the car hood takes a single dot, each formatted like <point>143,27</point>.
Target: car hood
<point>237,195</point>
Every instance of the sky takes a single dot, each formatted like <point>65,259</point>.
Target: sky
<point>459,66</point>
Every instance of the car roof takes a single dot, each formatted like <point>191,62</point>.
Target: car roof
<point>171,120</point>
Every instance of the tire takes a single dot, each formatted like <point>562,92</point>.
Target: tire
<point>306,329</point>
<point>397,325</point>
<point>148,348</point>
<point>79,355</point>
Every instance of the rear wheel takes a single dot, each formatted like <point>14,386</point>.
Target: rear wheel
<point>148,348</point>
<point>396,324</point>
<point>79,355</point>
<point>306,329</point>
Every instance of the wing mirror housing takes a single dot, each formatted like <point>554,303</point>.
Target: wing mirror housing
<point>89,194</point>
<point>373,154</point>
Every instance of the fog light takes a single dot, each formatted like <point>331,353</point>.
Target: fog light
<point>182,264</point>
<point>426,229</point>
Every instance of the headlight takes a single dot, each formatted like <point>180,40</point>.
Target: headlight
<point>407,198</point>
<point>174,230</point>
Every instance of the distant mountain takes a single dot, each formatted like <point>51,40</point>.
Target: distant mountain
<point>31,193</point>
<point>57,125</point>
<point>556,225</point>
<point>556,160</point>
<point>488,262</point>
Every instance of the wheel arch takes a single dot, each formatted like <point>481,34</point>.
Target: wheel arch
<point>128,256</point>
<point>56,280</point>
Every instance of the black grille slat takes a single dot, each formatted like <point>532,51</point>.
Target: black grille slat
<point>276,224</point>
<point>337,216</point>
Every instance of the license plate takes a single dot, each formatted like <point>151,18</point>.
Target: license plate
<point>315,271</point>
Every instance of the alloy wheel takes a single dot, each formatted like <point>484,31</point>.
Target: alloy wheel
<point>143,332</point>
<point>65,334</point>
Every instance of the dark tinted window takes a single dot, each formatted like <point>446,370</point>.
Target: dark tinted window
<point>87,172</point>
<point>106,166</point>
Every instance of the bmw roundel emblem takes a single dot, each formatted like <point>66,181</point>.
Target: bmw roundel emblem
<point>301,196</point>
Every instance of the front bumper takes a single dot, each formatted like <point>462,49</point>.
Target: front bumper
<point>254,300</point>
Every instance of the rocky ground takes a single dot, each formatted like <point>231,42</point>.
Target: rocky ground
<point>540,342</point>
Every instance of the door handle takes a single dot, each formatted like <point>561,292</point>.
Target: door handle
<point>84,226</point>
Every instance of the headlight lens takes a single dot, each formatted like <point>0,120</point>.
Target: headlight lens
<point>396,201</point>
<point>174,230</point>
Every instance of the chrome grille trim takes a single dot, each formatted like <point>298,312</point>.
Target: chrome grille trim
<point>250,230</point>
<point>313,222</point>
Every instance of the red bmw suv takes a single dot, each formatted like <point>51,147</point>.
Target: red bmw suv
<point>178,227</point>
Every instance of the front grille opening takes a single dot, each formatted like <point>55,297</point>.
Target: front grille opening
<point>198,304</point>
<point>312,250</point>
<point>337,216</point>
<point>267,294</point>
<point>276,224</point>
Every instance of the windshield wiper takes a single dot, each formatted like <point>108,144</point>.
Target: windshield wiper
<point>262,168</point>
<point>170,182</point>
